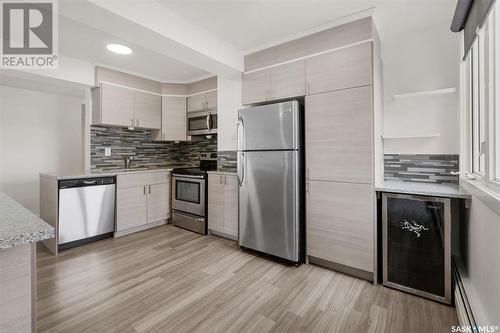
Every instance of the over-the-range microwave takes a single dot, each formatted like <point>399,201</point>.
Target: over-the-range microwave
<point>202,123</point>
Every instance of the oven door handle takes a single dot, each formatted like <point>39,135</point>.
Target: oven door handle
<point>187,176</point>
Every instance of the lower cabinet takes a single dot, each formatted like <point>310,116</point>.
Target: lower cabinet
<point>17,289</point>
<point>223,204</point>
<point>340,223</point>
<point>142,201</point>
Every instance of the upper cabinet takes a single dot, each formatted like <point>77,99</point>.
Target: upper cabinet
<point>202,101</point>
<point>173,119</point>
<point>119,106</point>
<point>147,110</point>
<point>256,86</point>
<point>346,68</point>
<point>288,80</point>
<point>339,136</point>
<point>274,83</point>
<point>116,106</point>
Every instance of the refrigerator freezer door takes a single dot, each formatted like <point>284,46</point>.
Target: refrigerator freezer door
<point>269,127</point>
<point>269,202</point>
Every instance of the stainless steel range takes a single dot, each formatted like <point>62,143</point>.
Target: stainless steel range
<point>190,196</point>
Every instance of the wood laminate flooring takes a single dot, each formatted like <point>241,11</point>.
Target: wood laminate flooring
<point>171,280</point>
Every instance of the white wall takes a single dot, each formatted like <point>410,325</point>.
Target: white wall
<point>421,60</point>
<point>39,132</point>
<point>228,104</point>
<point>480,262</point>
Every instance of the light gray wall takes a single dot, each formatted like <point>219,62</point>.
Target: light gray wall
<point>421,60</point>
<point>39,132</point>
<point>480,264</point>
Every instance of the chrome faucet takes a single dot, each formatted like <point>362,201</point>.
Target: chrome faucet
<point>128,161</point>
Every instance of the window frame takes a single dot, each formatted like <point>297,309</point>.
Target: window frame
<point>481,89</point>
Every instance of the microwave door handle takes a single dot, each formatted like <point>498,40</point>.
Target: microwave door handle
<point>209,116</point>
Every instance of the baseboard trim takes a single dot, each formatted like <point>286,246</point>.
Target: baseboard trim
<point>140,228</point>
<point>462,305</point>
<point>359,273</point>
<point>222,234</point>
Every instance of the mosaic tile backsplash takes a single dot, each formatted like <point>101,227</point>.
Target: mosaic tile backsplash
<point>421,168</point>
<point>226,161</point>
<point>147,153</point>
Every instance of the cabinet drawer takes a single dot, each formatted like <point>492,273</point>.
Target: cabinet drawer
<point>15,256</point>
<point>142,179</point>
<point>340,223</point>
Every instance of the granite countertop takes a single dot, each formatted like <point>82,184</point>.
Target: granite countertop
<point>104,173</point>
<point>223,172</point>
<point>19,226</point>
<point>429,189</point>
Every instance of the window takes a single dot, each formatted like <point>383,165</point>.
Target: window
<point>481,77</point>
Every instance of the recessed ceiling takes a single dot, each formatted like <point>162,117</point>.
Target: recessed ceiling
<point>86,43</point>
<point>251,25</point>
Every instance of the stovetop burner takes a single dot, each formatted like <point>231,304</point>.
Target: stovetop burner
<point>208,162</point>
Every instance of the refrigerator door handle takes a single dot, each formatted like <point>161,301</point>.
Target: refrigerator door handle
<point>241,142</point>
<point>241,168</point>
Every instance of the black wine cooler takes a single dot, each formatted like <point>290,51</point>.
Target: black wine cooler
<point>416,239</point>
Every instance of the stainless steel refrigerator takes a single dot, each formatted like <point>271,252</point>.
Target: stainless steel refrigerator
<point>270,175</point>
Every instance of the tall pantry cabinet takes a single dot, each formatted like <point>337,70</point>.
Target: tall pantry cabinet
<point>343,147</point>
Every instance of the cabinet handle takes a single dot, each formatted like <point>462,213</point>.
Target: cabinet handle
<point>307,187</point>
<point>225,180</point>
<point>144,190</point>
<point>149,187</point>
<point>220,180</point>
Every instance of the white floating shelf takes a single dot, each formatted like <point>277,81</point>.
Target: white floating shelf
<point>426,93</point>
<point>416,136</point>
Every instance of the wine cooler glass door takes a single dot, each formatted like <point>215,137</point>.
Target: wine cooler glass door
<point>417,244</point>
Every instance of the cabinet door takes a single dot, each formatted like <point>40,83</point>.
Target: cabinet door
<point>158,202</point>
<point>216,202</point>
<point>117,105</point>
<point>174,119</point>
<point>339,222</point>
<point>256,87</point>
<point>147,110</point>
<point>346,68</point>
<point>339,136</point>
<point>231,205</point>
<point>288,80</point>
<point>130,207</point>
<point>211,100</point>
<point>196,103</point>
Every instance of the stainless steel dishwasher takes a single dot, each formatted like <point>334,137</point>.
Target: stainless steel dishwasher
<point>86,210</point>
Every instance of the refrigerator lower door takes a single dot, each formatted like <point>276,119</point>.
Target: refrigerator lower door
<point>269,202</point>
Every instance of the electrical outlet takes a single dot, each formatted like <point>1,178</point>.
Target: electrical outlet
<point>107,151</point>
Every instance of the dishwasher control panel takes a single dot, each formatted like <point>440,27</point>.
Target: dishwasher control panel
<point>82,182</point>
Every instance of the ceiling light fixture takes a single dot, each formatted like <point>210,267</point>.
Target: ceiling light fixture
<point>118,48</point>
